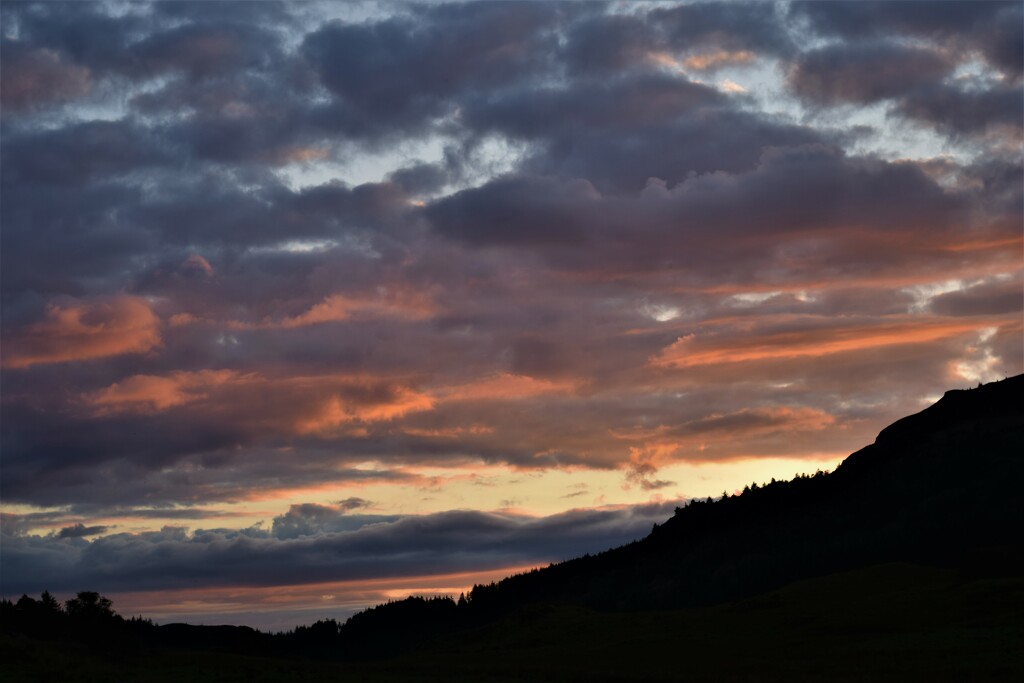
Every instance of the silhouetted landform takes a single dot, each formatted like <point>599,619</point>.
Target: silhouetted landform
<point>917,543</point>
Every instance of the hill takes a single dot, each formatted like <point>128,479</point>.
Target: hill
<point>944,488</point>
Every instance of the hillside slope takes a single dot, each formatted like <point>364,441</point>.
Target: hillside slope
<point>944,487</point>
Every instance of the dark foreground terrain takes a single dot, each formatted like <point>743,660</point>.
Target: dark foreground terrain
<point>906,563</point>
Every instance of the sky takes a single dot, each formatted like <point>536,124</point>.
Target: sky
<point>308,306</point>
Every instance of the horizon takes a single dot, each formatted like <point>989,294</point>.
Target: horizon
<point>305,305</point>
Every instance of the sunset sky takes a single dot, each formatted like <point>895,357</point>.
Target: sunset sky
<point>307,306</point>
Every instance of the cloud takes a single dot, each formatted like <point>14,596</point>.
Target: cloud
<point>993,28</point>
<point>614,133</point>
<point>966,112</point>
<point>308,545</point>
<point>310,519</point>
<point>81,152</point>
<point>732,27</point>
<point>692,350</point>
<point>151,393</point>
<point>85,330</point>
<point>866,72</point>
<point>835,192</point>
<point>81,531</point>
<point>988,298</point>
<point>402,72</point>
<point>385,302</point>
<point>35,78</point>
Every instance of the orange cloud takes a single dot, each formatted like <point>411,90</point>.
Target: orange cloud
<point>299,155</point>
<point>198,263</point>
<point>711,60</point>
<point>450,433</point>
<point>387,302</point>
<point>701,62</point>
<point>302,405</point>
<point>85,331</point>
<point>151,393</point>
<point>506,386</point>
<point>691,350</point>
<point>339,411</point>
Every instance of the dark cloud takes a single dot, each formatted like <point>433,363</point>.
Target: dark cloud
<point>618,133</point>
<point>310,519</point>
<point>204,50</point>
<point>608,43</point>
<point>835,191</point>
<point>865,72</point>
<point>519,211</point>
<point>440,543</point>
<point>993,28</point>
<point>420,179</point>
<point>984,299</point>
<point>34,78</point>
<point>353,503</point>
<point>81,531</point>
<point>403,72</point>
<point>85,32</point>
<point>609,105</point>
<point>755,26</point>
<point>958,111</point>
<point>83,152</point>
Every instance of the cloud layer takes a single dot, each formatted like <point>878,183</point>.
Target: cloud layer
<point>258,260</point>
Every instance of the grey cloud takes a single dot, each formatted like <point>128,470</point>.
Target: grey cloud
<point>833,191</point>
<point>611,43</point>
<point>310,519</point>
<point>353,503</point>
<point>990,298</point>
<point>858,18</point>
<point>421,179</point>
<point>81,531</point>
<point>866,72</point>
<point>83,152</point>
<point>516,211</point>
<point>753,26</point>
<point>616,104</point>
<point>446,542</point>
<point>88,35</point>
<point>37,77</point>
<point>402,72</point>
<point>203,50</point>
<point>965,112</point>
<point>138,45</point>
<point>708,141</point>
<point>608,43</point>
<point>620,132</point>
<point>995,29</point>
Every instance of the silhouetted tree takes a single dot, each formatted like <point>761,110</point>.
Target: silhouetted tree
<point>90,605</point>
<point>49,603</point>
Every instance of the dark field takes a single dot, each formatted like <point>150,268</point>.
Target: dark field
<point>892,622</point>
